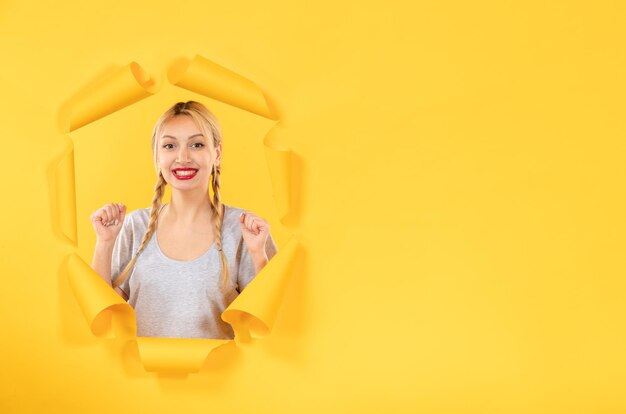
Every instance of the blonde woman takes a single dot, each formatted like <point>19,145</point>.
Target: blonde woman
<point>180,264</point>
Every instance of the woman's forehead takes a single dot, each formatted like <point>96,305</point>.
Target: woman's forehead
<point>180,124</point>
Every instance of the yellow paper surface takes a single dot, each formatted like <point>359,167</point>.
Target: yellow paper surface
<point>107,314</point>
<point>64,208</point>
<point>121,88</point>
<point>176,355</point>
<point>215,81</point>
<point>455,190</point>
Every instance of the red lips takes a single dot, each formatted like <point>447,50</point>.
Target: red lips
<point>185,177</point>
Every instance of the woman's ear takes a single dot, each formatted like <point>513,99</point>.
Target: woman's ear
<point>218,154</point>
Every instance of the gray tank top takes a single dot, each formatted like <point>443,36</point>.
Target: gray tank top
<point>182,299</point>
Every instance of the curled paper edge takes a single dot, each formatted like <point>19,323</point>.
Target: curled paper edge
<point>279,163</point>
<point>207,78</point>
<point>121,88</point>
<point>176,355</point>
<point>64,203</point>
<point>254,310</point>
<point>99,302</point>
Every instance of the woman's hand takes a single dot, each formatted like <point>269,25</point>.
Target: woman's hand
<point>107,221</point>
<point>255,231</point>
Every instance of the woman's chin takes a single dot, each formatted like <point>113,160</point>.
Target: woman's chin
<point>188,186</point>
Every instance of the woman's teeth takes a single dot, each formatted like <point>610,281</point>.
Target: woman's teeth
<point>185,172</point>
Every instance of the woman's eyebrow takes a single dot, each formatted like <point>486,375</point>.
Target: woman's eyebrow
<point>169,136</point>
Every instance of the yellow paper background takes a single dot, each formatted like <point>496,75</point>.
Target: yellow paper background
<point>97,121</point>
<point>460,170</point>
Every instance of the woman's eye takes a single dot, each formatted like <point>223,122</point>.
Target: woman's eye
<point>166,146</point>
<point>199,143</point>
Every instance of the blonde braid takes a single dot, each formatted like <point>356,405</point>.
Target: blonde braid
<point>217,206</point>
<point>159,190</point>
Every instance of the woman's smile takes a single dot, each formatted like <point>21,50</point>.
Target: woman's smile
<point>185,173</point>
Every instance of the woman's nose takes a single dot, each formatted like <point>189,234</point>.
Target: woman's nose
<point>183,155</point>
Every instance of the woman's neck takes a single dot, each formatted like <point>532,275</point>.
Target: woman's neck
<point>188,208</point>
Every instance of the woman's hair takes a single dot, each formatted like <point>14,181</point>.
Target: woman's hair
<point>209,126</point>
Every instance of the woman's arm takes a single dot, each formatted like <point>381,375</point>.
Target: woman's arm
<point>101,263</point>
<point>256,235</point>
<point>107,222</point>
<point>260,260</point>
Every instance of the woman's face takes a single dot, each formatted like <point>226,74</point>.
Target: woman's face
<point>181,145</point>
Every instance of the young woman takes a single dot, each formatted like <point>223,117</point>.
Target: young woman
<point>180,264</point>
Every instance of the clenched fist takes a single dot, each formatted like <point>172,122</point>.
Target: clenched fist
<point>107,221</point>
<point>254,231</point>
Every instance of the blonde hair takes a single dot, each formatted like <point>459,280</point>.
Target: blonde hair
<point>209,126</point>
